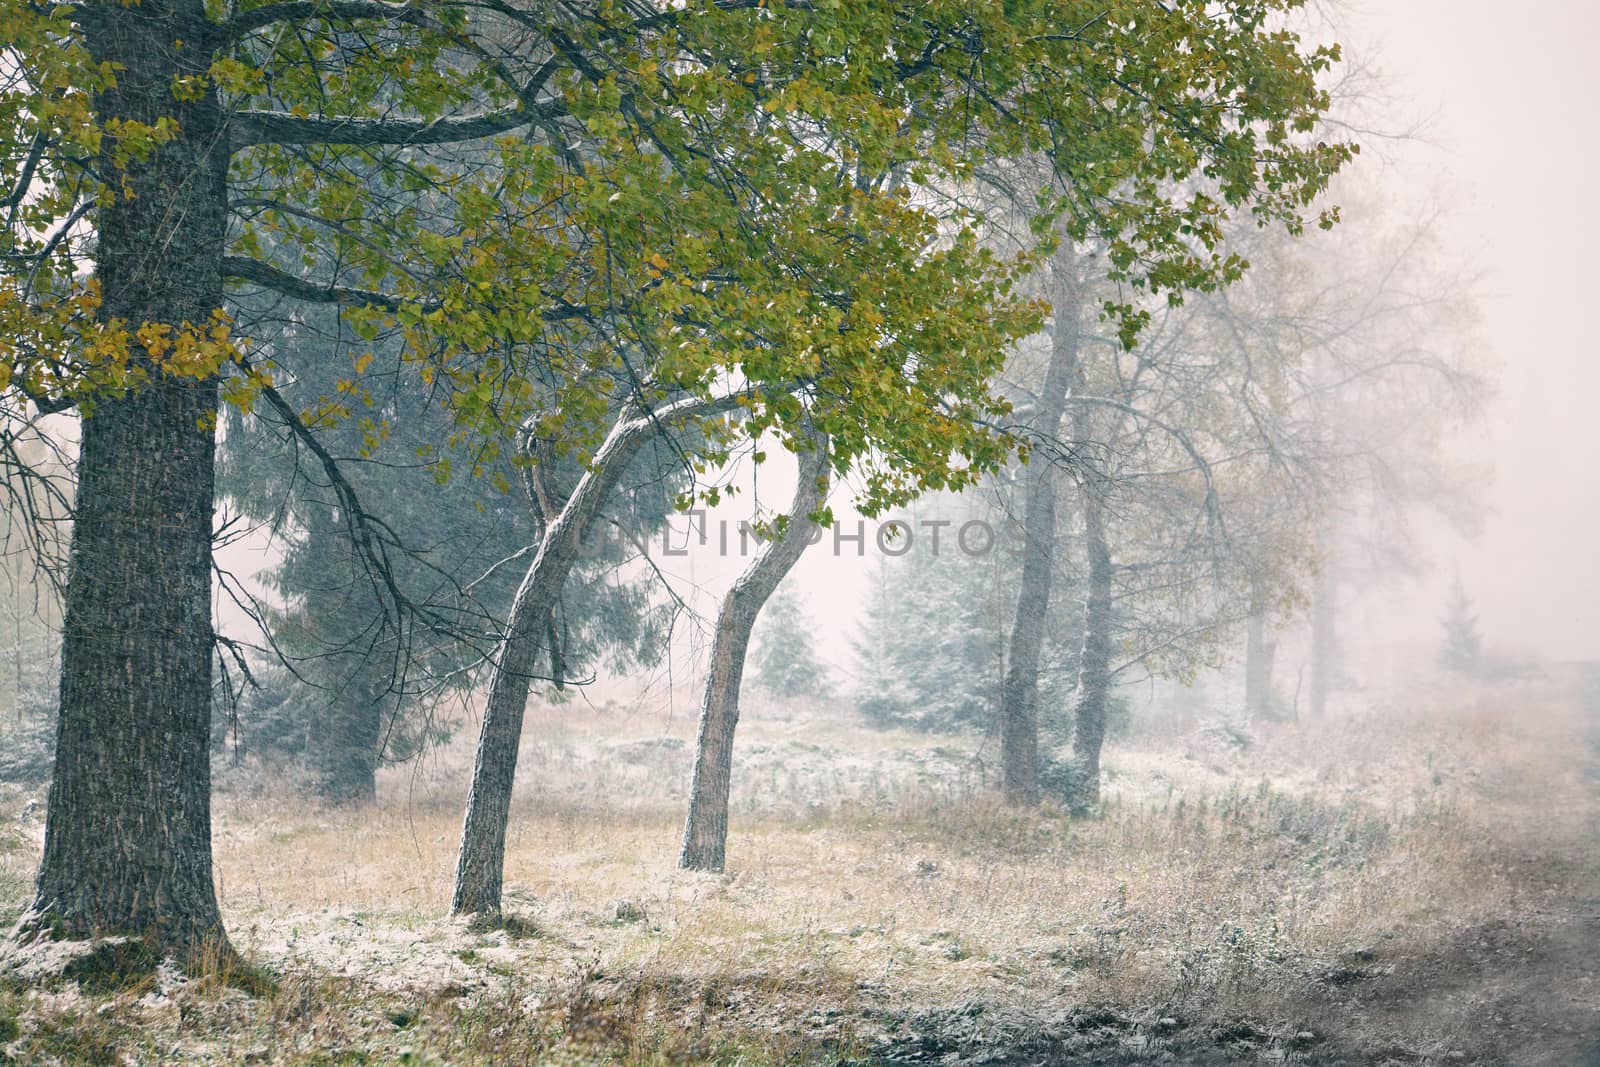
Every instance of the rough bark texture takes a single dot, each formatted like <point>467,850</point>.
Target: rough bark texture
<point>128,834</point>
<point>1019,713</point>
<point>480,867</point>
<point>705,833</point>
<point>1094,672</point>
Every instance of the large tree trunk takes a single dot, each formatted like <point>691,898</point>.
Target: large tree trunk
<point>705,833</point>
<point>1019,713</point>
<point>480,868</point>
<point>128,834</point>
<point>1094,671</point>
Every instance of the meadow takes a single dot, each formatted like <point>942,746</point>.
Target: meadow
<point>1411,880</point>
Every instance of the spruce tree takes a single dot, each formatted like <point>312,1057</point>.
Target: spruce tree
<point>785,659</point>
<point>930,653</point>
<point>1463,644</point>
<point>357,692</point>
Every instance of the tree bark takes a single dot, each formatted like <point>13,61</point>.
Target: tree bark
<point>128,833</point>
<point>1094,671</point>
<point>480,867</point>
<point>1019,713</point>
<point>705,832</point>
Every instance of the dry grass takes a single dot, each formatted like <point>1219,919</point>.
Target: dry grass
<point>1257,898</point>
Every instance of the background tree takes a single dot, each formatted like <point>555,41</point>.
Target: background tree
<point>929,652</point>
<point>1462,651</point>
<point>1396,369</point>
<point>356,694</point>
<point>1019,693</point>
<point>785,657</point>
<point>33,511</point>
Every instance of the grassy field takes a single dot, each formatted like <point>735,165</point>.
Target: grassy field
<point>1410,882</point>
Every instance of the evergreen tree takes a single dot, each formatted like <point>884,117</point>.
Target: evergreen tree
<point>1463,644</point>
<point>785,658</point>
<point>930,653</point>
<point>356,692</point>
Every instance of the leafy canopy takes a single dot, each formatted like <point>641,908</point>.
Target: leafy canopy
<point>557,202</point>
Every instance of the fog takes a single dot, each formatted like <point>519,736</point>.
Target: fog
<point>1508,141</point>
<point>1218,682</point>
<point>1482,120</point>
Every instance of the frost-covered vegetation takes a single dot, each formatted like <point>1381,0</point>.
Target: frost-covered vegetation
<point>1402,882</point>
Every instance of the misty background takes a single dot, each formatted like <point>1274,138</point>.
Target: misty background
<point>1481,135</point>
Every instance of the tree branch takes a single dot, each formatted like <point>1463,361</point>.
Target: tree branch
<point>270,14</point>
<point>267,276</point>
<point>279,127</point>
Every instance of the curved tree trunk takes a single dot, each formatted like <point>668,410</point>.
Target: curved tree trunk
<point>480,867</point>
<point>1019,714</point>
<point>1094,672</point>
<point>705,833</point>
<point>128,833</point>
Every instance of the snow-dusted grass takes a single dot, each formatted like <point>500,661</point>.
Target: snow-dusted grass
<point>876,889</point>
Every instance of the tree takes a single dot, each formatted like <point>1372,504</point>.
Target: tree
<point>930,649</point>
<point>786,660</point>
<point>36,500</point>
<point>536,195</point>
<point>705,832</point>
<point>1396,366</point>
<point>357,696</point>
<point>35,504</point>
<point>1019,714</point>
<point>1462,651</point>
<point>480,865</point>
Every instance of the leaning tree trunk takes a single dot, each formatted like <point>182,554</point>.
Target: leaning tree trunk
<point>1019,714</point>
<point>480,867</point>
<point>705,833</point>
<point>128,832</point>
<point>1094,670</point>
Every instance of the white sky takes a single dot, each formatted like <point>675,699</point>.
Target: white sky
<point>1511,91</point>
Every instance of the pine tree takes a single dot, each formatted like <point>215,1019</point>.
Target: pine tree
<point>930,653</point>
<point>785,659</point>
<point>1463,644</point>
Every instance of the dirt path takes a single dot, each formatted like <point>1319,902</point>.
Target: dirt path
<point>1521,990</point>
